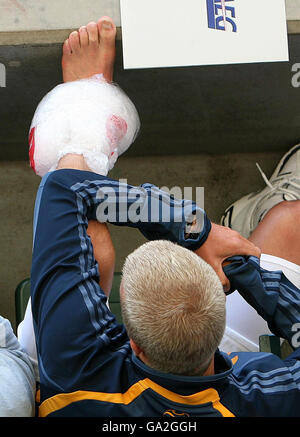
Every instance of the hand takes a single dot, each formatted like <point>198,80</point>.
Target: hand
<point>222,243</point>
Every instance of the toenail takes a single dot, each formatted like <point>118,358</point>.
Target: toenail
<point>106,25</point>
<point>83,28</point>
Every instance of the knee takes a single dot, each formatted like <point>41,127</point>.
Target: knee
<point>286,212</point>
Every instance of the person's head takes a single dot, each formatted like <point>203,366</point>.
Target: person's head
<point>173,307</point>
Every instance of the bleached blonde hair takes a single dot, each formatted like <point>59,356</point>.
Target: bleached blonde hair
<point>173,307</point>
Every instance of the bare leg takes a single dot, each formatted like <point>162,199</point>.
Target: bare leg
<point>278,234</point>
<point>104,253</point>
<point>86,52</point>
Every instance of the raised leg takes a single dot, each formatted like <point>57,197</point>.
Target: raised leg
<point>278,234</point>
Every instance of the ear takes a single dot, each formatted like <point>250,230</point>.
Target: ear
<point>138,351</point>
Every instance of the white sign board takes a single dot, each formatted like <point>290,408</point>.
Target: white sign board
<point>170,33</point>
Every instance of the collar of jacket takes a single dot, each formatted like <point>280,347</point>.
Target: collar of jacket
<point>187,385</point>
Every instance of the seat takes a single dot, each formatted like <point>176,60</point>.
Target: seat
<point>114,298</point>
<point>274,345</point>
<point>22,294</point>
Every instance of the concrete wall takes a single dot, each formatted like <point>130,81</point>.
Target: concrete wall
<point>40,21</point>
<point>180,108</point>
<point>224,177</point>
<point>292,9</point>
<point>30,15</point>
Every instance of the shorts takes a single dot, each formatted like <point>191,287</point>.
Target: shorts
<point>244,325</point>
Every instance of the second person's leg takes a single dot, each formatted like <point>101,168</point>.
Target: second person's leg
<point>278,234</point>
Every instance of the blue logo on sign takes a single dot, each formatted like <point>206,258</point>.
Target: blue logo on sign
<point>220,16</point>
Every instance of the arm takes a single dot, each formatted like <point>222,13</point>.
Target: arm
<point>17,379</point>
<point>271,294</point>
<point>272,384</point>
<point>104,253</point>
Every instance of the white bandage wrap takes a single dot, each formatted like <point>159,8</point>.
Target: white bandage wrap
<point>90,117</point>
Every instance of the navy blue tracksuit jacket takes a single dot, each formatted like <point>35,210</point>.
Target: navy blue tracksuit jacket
<point>85,361</point>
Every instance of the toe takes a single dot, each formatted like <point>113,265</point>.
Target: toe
<point>66,48</point>
<point>84,37</point>
<point>92,30</point>
<point>106,19</point>
<point>74,41</point>
<point>107,29</point>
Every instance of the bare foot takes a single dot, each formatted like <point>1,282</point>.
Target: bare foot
<point>90,51</point>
